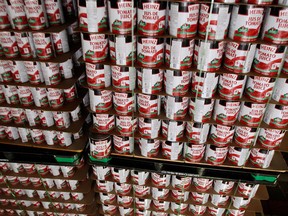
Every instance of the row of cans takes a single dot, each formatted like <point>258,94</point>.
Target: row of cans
<point>40,97</point>
<point>45,46</point>
<point>35,72</point>
<point>34,14</point>
<point>184,19</point>
<point>36,213</point>
<point>48,137</point>
<point>38,117</point>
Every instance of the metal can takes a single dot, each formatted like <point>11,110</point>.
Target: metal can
<point>101,172</point>
<point>193,152</point>
<point>5,23</point>
<point>261,158</point>
<point>18,115</point>
<point>2,96</point>
<point>215,211</point>
<point>70,94</point>
<point>221,135</point>
<point>160,193</point>
<point>16,12</point>
<point>240,202</point>
<point>276,116</point>
<point>60,42</point>
<point>235,212</point>
<point>104,186</point>
<point>43,45</point>
<point>160,180</point>
<point>25,95</point>
<point>202,184</point>
<point>181,182</point>
<point>172,150</point>
<point>123,78</point>
<point>36,14</point>
<point>40,97</point>
<point>161,205</point>
<point>103,122</point>
<point>245,22</point>
<point>124,103</point>
<point>142,203</point>
<point>109,209</point>
<point>196,132</point>
<point>3,133</point>
<point>33,117</point>
<point>150,80</point>
<point>172,130</point>
<point>223,187</point>
<point>280,91</point>
<point>148,105</point>
<point>226,112</point>
<point>149,128</point>
<point>62,119</point>
<point>54,12</point>
<point>25,44</point>
<point>122,189</point>
<point>100,145</point>
<point>177,82</point>
<point>12,133</point>
<point>285,65</point>
<point>270,138</point>
<point>6,115</point>
<point>204,84</point>
<point>141,191</point>
<point>231,86</point>
<point>126,125</point>
<point>65,69</point>
<point>180,195</point>
<point>215,155</point>
<point>140,178</point>
<point>238,156</point>
<point>34,72</point>
<point>50,137</point>
<point>55,97</point>
<point>201,109</point>
<point>199,198</point>
<point>247,189</point>
<point>126,210</point>
<point>123,145</point>
<point>98,76</point>
<point>18,72</point>
<point>197,209</point>
<point>250,113</point>
<point>149,147</point>
<point>6,72</point>
<point>11,94</point>
<point>51,73</point>
<point>124,201</point>
<point>100,100</point>
<point>245,136</point>
<point>176,107</point>
<point>37,136</point>
<point>76,114</point>
<point>9,44</point>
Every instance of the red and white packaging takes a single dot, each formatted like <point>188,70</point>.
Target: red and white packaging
<point>235,212</point>
<point>181,182</point>
<point>141,191</point>
<point>226,112</point>
<point>123,78</point>
<point>98,76</point>
<point>150,80</point>
<point>208,55</point>
<point>104,186</point>
<point>202,184</point>
<point>54,12</point>
<point>270,138</point>
<point>150,52</point>
<point>199,198</point>
<point>77,196</point>
<point>197,133</point>
<point>66,69</point>
<point>33,117</point>
<point>124,201</point>
<point>101,172</point>
<point>149,128</point>
<point>18,72</point>
<point>25,44</point>
<point>43,45</point>
<point>240,202</point>
<point>238,156</point>
<point>142,203</point>
<point>37,136</point>
<point>126,210</point>
<point>62,119</point>
<point>219,200</point>
<point>2,132</point>
<point>160,193</point>
<point>120,175</point>
<point>180,195</point>
<point>36,14</point>
<point>51,137</point>
<point>247,189</point>
<point>250,113</point>
<point>215,155</point>
<point>60,42</point>
<point>183,19</point>
<point>100,145</point>
<point>34,72</point>
<point>148,105</point>
<point>215,211</point>
<point>126,125</point>
<point>177,82</point>
<point>6,72</point>
<point>260,2</point>
<point>4,23</point>
<point>214,21</point>
<point>142,212</point>
<point>18,115</point>
<point>139,178</point>
<point>40,97</point>
<point>25,95</point>
<point>51,73</point>
<point>280,91</point>
<point>261,158</point>
<point>2,96</point>
<point>151,16</point>
<point>245,136</point>
<point>122,189</point>
<point>92,16</point>
<point>239,57</point>
<point>245,22</point>
<point>109,209</point>
<point>100,100</point>
<point>197,209</point>
<point>285,65</point>
<point>123,145</point>
<point>12,133</point>
<point>149,147</point>
<point>95,47</point>
<point>201,109</point>
<point>55,97</point>
<point>179,207</point>
<point>160,180</point>
<point>173,130</point>
<point>172,150</point>
<point>221,135</point>
<point>231,86</point>
<point>124,103</point>
<point>193,152</point>
<point>16,13</point>
<point>269,59</point>
<point>161,205</point>
<point>9,44</point>
<point>70,94</point>
<point>176,107</point>
<point>11,94</point>
<point>204,84</point>
<point>76,114</point>
<point>259,88</point>
<point>276,116</point>
<point>103,122</point>
<point>223,187</point>
<point>275,29</point>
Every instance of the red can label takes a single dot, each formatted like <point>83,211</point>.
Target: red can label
<point>5,115</point>
<point>177,83</point>
<point>100,149</point>
<point>149,128</point>
<point>202,184</point>
<point>54,12</point>
<point>4,19</point>
<point>16,12</point>
<point>25,96</point>
<point>197,132</point>
<point>160,181</point>
<point>193,153</point>
<point>9,44</point>
<point>25,44</point>
<point>221,135</point>
<point>60,42</point>
<point>276,116</point>
<point>261,158</point>
<point>35,12</point>
<point>172,151</point>
<point>51,73</point>
<point>280,91</point>
<point>34,72</point>
<point>43,45</point>
<point>201,109</point>
<point>251,113</point>
<point>226,112</point>
<point>149,149</point>
<point>70,94</point>
<point>176,108</point>
<point>98,78</point>
<point>204,85</point>
<point>270,138</point>
<point>149,81</point>
<point>172,130</point>
<point>40,97</point>
<point>245,136</point>
<point>103,122</point>
<point>238,156</point>
<point>148,106</point>
<point>123,145</point>
<point>55,97</point>
<point>231,86</point>
<point>123,103</point>
<point>126,125</point>
<point>101,102</point>
<point>123,78</point>
<point>216,155</point>
<point>6,73</point>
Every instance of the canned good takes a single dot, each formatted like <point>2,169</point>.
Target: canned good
<point>101,172</point>
<point>126,210</point>
<point>77,196</point>
<point>223,187</point>
<point>65,69</point>
<point>18,115</point>
<point>123,78</point>
<point>70,94</point>
<point>245,22</point>
<point>43,45</point>
<point>238,156</point>
<point>231,86</point>
<point>9,44</point>
<point>18,72</point>
<point>148,105</point>
<point>25,95</point>
<point>139,178</point>
<point>142,203</point>
<point>123,145</point>
<point>2,95</point>
<point>141,191</point>
<point>245,136</point>
<point>149,147</point>
<point>215,211</point>
<point>247,189</point>
<point>103,122</point>
<point>261,158</point>
<point>197,133</point>
<point>54,12</point>
<point>181,182</point>
<point>60,42</point>
<point>199,198</point>
<point>150,80</point>
<point>276,116</point>
<point>40,97</point>
<point>202,184</point>
<point>240,202</point>
<point>124,103</point>
<point>180,195</point>
<point>126,125</point>
<point>193,152</point>
<point>100,100</point>
<point>104,186</point>
<point>285,65</point>
<point>6,72</point>
<point>235,212</point>
<point>12,133</point>
<point>172,150</point>
<point>11,94</point>
<point>5,23</point>
<point>122,189</point>
<point>251,113</point>
<point>172,130</point>
<point>98,76</point>
<point>201,109</point>
<point>3,133</point>
<point>280,91</point>
<point>149,128</point>
<point>120,175</point>
<point>76,114</point>
<point>197,209</point>
<point>124,201</point>
<point>51,73</point>
<point>37,136</point>
<point>33,117</point>
<point>221,135</point>
<point>270,138</point>
<point>215,155</point>
<point>100,145</point>
<point>204,84</point>
<point>36,14</point>
<point>177,82</point>
<point>25,44</point>
<point>160,180</point>
<point>68,171</point>
<point>160,193</point>
<point>55,97</point>
<point>176,107</point>
<point>226,112</point>
<point>161,205</point>
<point>34,72</point>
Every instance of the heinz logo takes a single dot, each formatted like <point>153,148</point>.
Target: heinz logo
<point>149,41</point>
<point>283,13</point>
<point>151,6</point>
<point>255,11</point>
<point>192,8</point>
<point>271,49</point>
<point>124,5</point>
<point>97,37</point>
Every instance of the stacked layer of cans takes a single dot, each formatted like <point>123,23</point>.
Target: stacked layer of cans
<point>35,213</point>
<point>118,190</point>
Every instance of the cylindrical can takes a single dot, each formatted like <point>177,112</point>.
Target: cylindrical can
<point>149,128</point>
<point>215,21</point>
<point>122,189</point>
<point>124,201</point>
<point>34,72</point>
<point>172,150</point>
<point>197,209</point>
<point>250,113</point>
<point>36,14</point>
<point>204,84</point>
<point>103,122</point>
<point>201,109</point>
<point>11,94</point>
<point>126,125</point>
<point>259,89</point>
<point>122,49</point>
<point>25,44</point>
<point>160,193</point>
<point>268,59</point>
<point>181,182</point>
<point>109,209</point>
<point>12,133</point>
<point>173,130</point>
<point>124,103</point>
<point>235,212</point>
<point>25,181</point>
<point>77,196</point>
<point>51,73</point>
<point>221,135</point>
<point>142,203</point>
<point>141,191</point>
<point>65,138</point>
<point>231,86</point>
<point>98,76</point>
<point>275,29</point>
<point>92,15</point>
<point>197,133</point>
<point>25,95</point>
<point>199,198</point>
<point>40,97</point>
<point>107,198</point>
<point>33,117</point>
<point>120,175</point>
<point>270,138</point>
<point>178,53</point>
<point>46,118</point>
<point>123,145</point>
<point>70,94</point>
<point>151,15</point>
<point>100,145</point>
<point>18,115</point>
<point>226,112</point>
<point>245,22</point>
<point>148,105</point>
<point>60,42</point>
<point>180,195</point>
<point>238,156</point>
<point>126,211</point>
<point>177,82</point>
<point>240,202</point>
<point>95,47</point>
<point>183,19</point>
<point>139,178</point>
<point>280,91</point>
<point>150,51</point>
<point>100,100</point>
<point>261,158</point>
<point>43,45</point>
<point>239,56</point>
<point>76,114</point>
<point>55,97</point>
<point>276,116</point>
<point>160,180</point>
<point>65,69</point>
<point>4,23</point>
<point>142,212</point>
<point>2,96</point>
<point>285,65</point>
<point>6,72</point>
<point>54,12</point>
<point>150,80</point>
<point>208,55</point>
<point>37,136</point>
<point>18,72</point>
<point>50,137</point>
<point>16,12</point>
<point>9,44</point>
<point>161,205</point>
<point>215,211</point>
<point>149,147</point>
<point>245,136</point>
<point>123,78</point>
<point>176,107</point>
<point>62,119</point>
<point>215,155</point>
<point>193,152</point>
<point>104,186</point>
<point>101,172</point>
<point>202,184</point>
<point>223,187</point>
<point>247,189</point>
<point>3,133</point>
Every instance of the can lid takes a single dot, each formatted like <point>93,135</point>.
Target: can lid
<point>97,136</point>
